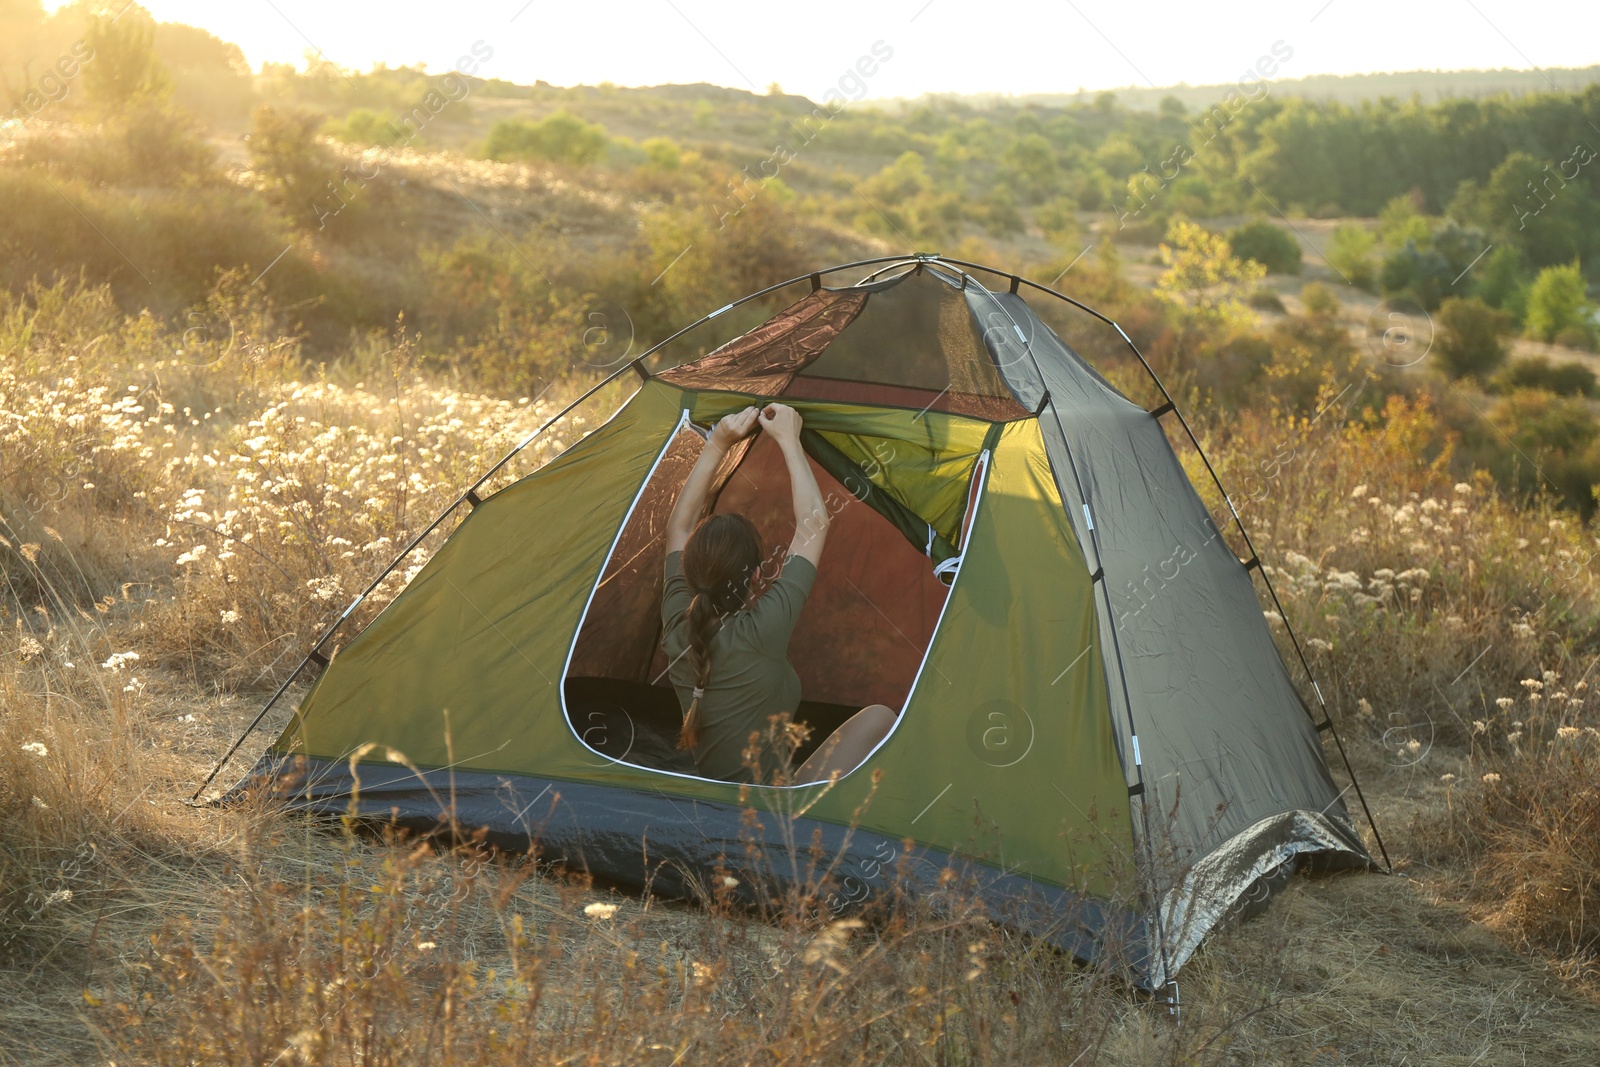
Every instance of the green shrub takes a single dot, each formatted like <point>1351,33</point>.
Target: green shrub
<point>662,153</point>
<point>294,167</point>
<point>1421,275</point>
<point>1558,301</point>
<point>1319,300</point>
<point>1469,339</point>
<point>1502,280</point>
<point>1350,252</point>
<point>559,138</point>
<point>1399,222</point>
<point>1271,246</point>
<point>1537,372</point>
<point>1058,218</point>
<point>125,70</point>
<point>363,126</point>
<point>1556,448</point>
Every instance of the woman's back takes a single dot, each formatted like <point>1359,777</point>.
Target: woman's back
<point>751,679</point>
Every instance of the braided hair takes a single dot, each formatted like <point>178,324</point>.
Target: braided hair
<point>720,562</point>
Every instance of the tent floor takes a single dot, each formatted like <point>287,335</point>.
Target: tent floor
<point>635,722</point>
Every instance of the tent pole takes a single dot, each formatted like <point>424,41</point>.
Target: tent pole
<point>1294,639</point>
<point>1116,643</point>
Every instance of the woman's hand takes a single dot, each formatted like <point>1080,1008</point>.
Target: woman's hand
<point>731,429</point>
<point>782,422</point>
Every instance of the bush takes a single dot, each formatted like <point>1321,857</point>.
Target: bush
<point>363,126</point>
<point>1271,246</point>
<point>295,168</point>
<point>1537,372</point>
<point>1319,300</point>
<point>1534,815</point>
<point>559,138</point>
<point>662,153</point>
<point>1558,300</point>
<point>1502,280</point>
<point>1555,447</point>
<point>1421,275</point>
<point>1469,342</point>
<point>1350,253</point>
<point>1266,300</point>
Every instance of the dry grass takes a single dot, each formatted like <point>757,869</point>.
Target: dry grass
<point>138,930</point>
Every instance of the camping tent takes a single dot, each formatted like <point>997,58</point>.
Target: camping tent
<point>1095,722</point>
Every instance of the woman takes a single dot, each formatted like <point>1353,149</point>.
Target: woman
<point>728,648</point>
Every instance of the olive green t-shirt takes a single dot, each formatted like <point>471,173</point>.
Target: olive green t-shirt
<point>751,679</point>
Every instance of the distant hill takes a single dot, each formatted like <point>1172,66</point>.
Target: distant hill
<point>1429,85</point>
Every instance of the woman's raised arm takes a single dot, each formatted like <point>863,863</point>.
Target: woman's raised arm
<point>810,513</point>
<point>728,431</point>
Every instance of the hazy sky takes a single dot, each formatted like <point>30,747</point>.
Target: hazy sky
<point>938,45</point>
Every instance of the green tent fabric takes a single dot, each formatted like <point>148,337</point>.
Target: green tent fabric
<point>516,683</point>
<point>854,476</point>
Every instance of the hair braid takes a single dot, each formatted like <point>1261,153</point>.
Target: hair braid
<point>720,559</point>
<point>704,622</point>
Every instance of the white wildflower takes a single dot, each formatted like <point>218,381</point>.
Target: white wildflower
<point>1359,491</point>
<point>1299,562</point>
<point>1533,685</point>
<point>36,748</point>
<point>120,660</point>
<point>1568,733</point>
<point>39,803</point>
<point>190,556</point>
<point>1320,645</point>
<point>323,588</point>
<point>1491,778</point>
<point>1463,489</point>
<point>600,911</point>
<point>230,617</point>
<point>1447,777</point>
<point>1505,702</point>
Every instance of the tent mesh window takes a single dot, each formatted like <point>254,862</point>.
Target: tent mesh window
<point>913,345</point>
